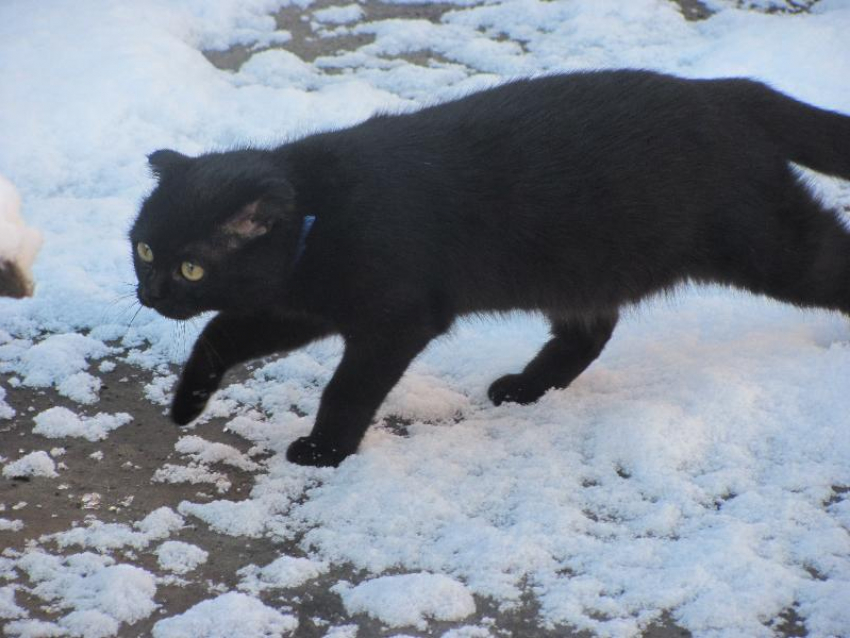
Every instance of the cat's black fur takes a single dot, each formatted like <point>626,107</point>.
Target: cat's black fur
<point>570,195</point>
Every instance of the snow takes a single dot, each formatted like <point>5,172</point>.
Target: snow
<point>207,452</point>
<point>34,464</point>
<point>231,614</point>
<point>468,631</point>
<point>160,523</point>
<point>408,599</point>
<point>281,573</point>
<point>159,389</point>
<point>103,537</point>
<point>237,518</point>
<point>59,422</point>
<point>13,525</point>
<point>697,465</point>
<point>6,410</point>
<point>100,594</point>
<point>33,629</point>
<point>58,360</point>
<point>8,608</point>
<point>339,14</point>
<point>194,474</point>
<point>19,245</point>
<point>180,557</point>
<point>80,387</point>
<point>106,366</point>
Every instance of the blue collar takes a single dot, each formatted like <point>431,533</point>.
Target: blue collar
<point>306,226</point>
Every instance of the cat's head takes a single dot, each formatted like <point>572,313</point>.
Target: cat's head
<point>218,232</point>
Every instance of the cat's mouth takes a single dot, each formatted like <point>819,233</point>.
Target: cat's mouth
<point>177,314</point>
<point>168,310</point>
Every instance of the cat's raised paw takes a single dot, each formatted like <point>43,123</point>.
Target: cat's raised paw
<point>514,388</point>
<point>308,451</point>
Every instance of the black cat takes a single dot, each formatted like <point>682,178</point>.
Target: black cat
<point>570,195</point>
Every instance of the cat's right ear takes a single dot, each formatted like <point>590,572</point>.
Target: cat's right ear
<point>165,160</point>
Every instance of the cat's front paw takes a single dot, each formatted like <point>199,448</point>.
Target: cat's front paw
<point>514,388</point>
<point>188,405</point>
<point>309,451</point>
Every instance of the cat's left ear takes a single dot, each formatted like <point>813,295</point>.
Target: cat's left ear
<point>258,217</point>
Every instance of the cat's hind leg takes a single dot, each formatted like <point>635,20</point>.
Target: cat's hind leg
<point>574,345</point>
<point>800,254</point>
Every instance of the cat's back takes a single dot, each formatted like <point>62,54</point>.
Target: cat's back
<point>544,106</point>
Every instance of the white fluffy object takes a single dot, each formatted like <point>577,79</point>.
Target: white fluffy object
<point>18,245</point>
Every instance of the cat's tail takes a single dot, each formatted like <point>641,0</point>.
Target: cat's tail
<point>816,138</point>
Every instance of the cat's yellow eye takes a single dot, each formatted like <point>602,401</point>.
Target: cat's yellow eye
<point>192,272</point>
<point>145,252</point>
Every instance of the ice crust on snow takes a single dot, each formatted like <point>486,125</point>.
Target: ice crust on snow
<point>709,439</point>
<point>59,422</point>
<point>408,599</point>
<point>231,614</point>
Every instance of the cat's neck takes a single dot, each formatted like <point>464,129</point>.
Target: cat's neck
<point>317,173</point>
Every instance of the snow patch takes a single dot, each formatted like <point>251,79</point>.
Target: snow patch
<point>80,387</point>
<point>282,573</point>
<point>231,614</point>
<point>159,389</point>
<point>208,452</point>
<point>33,629</point>
<point>100,594</point>
<point>33,464</point>
<point>10,525</point>
<point>180,557</point>
<point>339,14</point>
<point>194,474</point>
<point>408,599</point>
<point>59,422</point>
<point>104,537</point>
<point>6,410</point>
<point>8,608</point>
